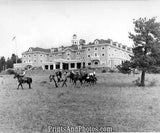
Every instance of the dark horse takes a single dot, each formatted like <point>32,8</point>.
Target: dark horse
<point>78,76</point>
<point>22,80</point>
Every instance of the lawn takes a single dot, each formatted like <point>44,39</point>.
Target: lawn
<point>114,102</point>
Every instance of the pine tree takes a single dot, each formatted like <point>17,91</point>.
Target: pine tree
<point>146,38</point>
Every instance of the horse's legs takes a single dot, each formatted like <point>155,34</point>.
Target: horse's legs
<point>18,86</point>
<point>55,83</point>
<point>64,83</point>
<point>29,85</point>
<point>21,86</point>
<point>75,82</point>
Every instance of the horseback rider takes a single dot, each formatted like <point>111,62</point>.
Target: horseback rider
<point>22,74</point>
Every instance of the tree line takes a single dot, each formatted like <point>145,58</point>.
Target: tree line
<point>5,64</point>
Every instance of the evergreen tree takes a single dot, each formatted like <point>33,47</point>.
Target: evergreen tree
<point>146,38</point>
<point>2,63</point>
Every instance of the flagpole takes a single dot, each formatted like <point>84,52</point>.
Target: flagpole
<point>16,49</point>
<point>15,40</point>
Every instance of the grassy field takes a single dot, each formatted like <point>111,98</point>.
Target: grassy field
<point>114,102</point>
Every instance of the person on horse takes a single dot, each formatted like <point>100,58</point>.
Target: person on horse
<point>22,74</point>
<point>59,75</point>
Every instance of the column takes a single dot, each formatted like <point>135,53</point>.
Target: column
<point>54,66</point>
<point>49,66</point>
<point>61,64</point>
<point>69,66</point>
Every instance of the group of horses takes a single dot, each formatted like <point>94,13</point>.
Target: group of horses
<point>60,77</point>
<point>73,77</point>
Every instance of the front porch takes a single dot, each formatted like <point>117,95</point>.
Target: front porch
<point>63,65</point>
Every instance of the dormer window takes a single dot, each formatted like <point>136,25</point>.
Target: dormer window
<point>52,50</point>
<point>79,46</point>
<point>96,42</point>
<point>124,46</point>
<point>60,48</point>
<point>30,49</point>
<point>119,45</point>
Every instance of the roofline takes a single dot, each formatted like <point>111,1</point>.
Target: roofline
<point>35,52</point>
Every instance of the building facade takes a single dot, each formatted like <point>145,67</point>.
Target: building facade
<point>100,53</point>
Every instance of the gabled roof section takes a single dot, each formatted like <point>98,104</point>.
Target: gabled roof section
<point>32,49</point>
<point>99,41</point>
<point>72,47</point>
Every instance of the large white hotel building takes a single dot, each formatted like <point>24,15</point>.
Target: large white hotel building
<point>100,53</point>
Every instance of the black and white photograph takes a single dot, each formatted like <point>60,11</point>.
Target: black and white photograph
<point>79,66</point>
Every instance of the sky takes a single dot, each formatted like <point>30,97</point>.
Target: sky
<point>47,24</point>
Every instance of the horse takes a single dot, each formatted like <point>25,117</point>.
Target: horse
<point>22,80</point>
<point>79,76</point>
<point>90,78</point>
<point>71,76</point>
<point>52,77</point>
<point>59,77</point>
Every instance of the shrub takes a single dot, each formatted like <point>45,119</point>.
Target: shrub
<point>104,71</point>
<point>137,82</point>
<point>152,82</point>
<point>10,71</point>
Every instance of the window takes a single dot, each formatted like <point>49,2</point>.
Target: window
<point>89,56</point>
<point>24,56</point>
<point>41,60</point>
<point>95,48</point>
<point>34,60</point>
<point>95,54</point>
<point>96,63</point>
<point>72,65</point>
<point>29,60</point>
<point>41,55</point>
<point>89,49</point>
<point>102,47</point>
<point>34,55</point>
<point>29,55</point>
<point>46,67</point>
<point>102,54</point>
<point>89,63</point>
<point>51,67</point>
